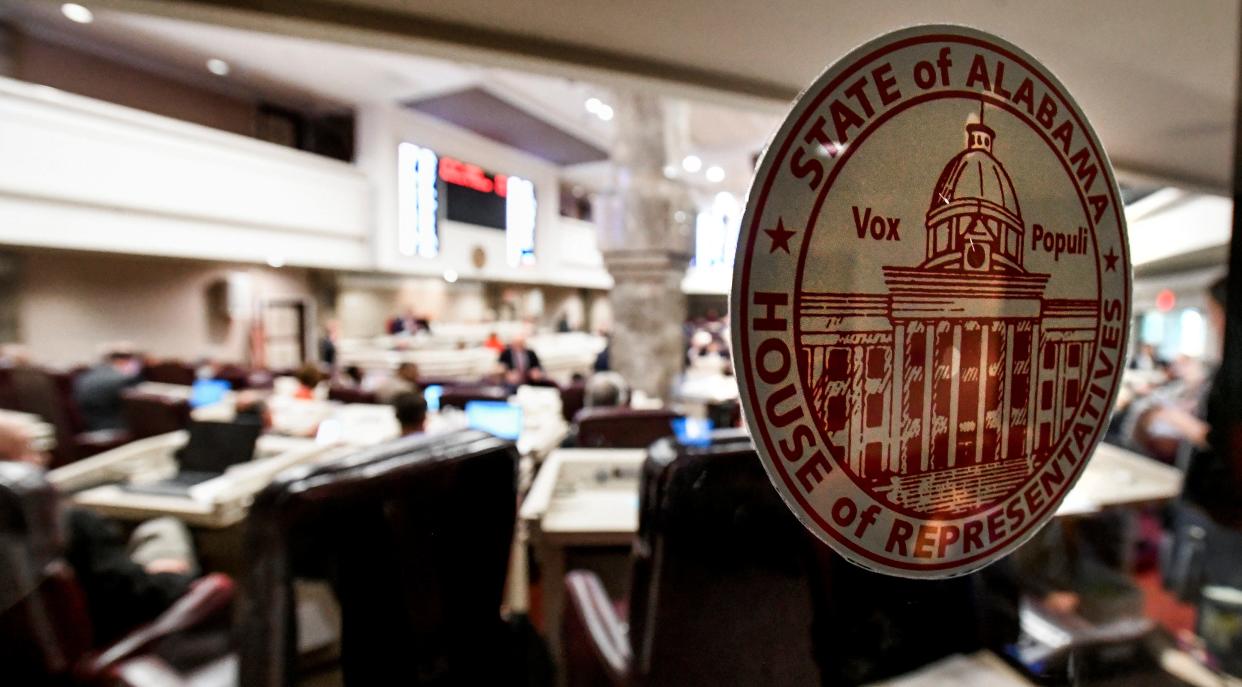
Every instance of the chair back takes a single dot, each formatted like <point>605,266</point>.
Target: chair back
<point>720,588</point>
<point>573,398</point>
<point>36,391</point>
<point>147,415</point>
<point>459,396</point>
<point>414,537</point>
<point>8,396</point>
<point>237,376</point>
<point>169,372</point>
<point>345,394</point>
<point>44,626</point>
<point>620,427</point>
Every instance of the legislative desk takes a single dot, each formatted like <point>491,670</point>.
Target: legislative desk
<point>980,669</point>
<point>457,352</point>
<point>41,433</point>
<point>585,499</point>
<point>582,501</point>
<point>218,503</point>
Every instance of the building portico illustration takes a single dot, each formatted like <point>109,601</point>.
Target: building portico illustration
<point>951,387</point>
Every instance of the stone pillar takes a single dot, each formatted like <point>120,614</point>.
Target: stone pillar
<point>646,238</point>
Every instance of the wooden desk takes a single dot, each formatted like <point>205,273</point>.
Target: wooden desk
<point>706,389</point>
<point>567,507</point>
<point>354,424</point>
<point>178,392</point>
<point>216,503</point>
<point>41,433</point>
<point>980,669</point>
<point>1116,477</point>
<point>580,498</point>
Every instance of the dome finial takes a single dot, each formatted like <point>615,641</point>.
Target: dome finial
<point>979,136</point>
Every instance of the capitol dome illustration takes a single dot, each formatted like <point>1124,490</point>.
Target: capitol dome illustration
<point>946,389</point>
<point>974,221</point>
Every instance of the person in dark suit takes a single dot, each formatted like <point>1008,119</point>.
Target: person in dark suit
<point>520,364</point>
<point>98,390</point>
<point>327,343</point>
<point>409,323</point>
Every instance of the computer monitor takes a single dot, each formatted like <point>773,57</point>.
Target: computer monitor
<point>693,431</point>
<point>432,395</point>
<point>495,417</point>
<point>214,446</point>
<point>205,392</point>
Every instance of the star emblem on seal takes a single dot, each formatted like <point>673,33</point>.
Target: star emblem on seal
<point>780,236</point>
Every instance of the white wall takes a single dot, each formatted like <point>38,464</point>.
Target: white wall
<point>83,174</point>
<point>72,303</point>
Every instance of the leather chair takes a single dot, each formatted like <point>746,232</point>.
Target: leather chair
<point>414,538</point>
<point>237,376</point>
<point>148,415</point>
<point>720,591</point>
<point>458,396</point>
<point>728,588</point>
<point>573,398</point>
<point>45,633</point>
<point>620,427</point>
<point>348,395</point>
<point>169,372</point>
<point>41,392</point>
<point>8,396</point>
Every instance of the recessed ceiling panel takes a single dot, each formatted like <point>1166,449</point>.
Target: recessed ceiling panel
<point>477,110</point>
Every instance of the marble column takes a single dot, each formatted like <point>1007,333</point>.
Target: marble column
<point>646,236</point>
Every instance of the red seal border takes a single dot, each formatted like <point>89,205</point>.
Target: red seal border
<point>740,309</point>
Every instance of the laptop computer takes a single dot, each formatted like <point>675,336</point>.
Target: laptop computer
<point>497,418</point>
<point>212,448</point>
<point>205,392</point>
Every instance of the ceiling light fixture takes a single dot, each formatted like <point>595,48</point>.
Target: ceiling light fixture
<point>275,261</point>
<point>450,276</point>
<point>218,66</point>
<point>77,13</point>
<point>598,108</point>
<point>715,174</point>
<point>692,163</point>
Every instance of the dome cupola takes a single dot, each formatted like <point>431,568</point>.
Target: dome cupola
<point>974,221</point>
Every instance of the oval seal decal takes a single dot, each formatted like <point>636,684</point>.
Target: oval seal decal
<point>931,301</point>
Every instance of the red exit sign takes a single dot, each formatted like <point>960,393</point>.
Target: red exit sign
<point>454,171</point>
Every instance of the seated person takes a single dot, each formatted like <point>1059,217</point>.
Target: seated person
<point>251,408</point>
<point>98,390</point>
<point>409,323</point>
<point>309,377</point>
<point>603,390</point>
<point>606,389</point>
<point>405,380</point>
<point>351,377</point>
<point>127,584</point>
<point>1175,415</point>
<point>520,364</point>
<point>411,410</point>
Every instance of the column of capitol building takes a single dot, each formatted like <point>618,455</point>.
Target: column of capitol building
<point>964,351</point>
